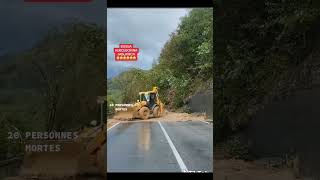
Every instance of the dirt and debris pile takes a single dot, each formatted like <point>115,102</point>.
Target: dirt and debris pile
<point>173,116</point>
<point>123,116</point>
<point>168,116</point>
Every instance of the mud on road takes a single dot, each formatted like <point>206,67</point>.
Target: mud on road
<point>168,116</point>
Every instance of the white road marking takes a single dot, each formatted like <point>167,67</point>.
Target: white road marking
<point>205,122</point>
<point>113,126</point>
<point>183,167</point>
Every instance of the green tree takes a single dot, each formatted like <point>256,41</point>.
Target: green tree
<point>70,64</point>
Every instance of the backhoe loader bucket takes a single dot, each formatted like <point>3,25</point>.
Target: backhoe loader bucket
<point>72,161</point>
<point>127,115</point>
<point>84,156</point>
<point>54,164</point>
<point>80,158</point>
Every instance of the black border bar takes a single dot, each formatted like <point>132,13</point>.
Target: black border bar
<point>149,176</point>
<point>159,3</point>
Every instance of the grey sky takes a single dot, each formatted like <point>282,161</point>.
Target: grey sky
<point>148,29</point>
<point>22,24</point>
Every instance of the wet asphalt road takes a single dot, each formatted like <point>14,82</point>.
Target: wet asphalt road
<point>160,147</point>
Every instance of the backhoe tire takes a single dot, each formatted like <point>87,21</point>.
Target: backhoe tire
<point>156,112</point>
<point>144,113</point>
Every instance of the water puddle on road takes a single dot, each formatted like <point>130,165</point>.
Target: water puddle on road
<point>144,137</point>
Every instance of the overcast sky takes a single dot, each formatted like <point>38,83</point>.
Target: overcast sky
<point>147,29</point>
<point>22,24</point>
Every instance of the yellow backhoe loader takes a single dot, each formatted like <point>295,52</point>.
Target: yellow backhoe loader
<point>81,158</point>
<point>148,105</point>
